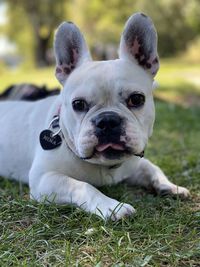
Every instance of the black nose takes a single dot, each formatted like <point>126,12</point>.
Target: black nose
<point>107,121</point>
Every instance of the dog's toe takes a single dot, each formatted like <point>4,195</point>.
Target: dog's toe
<point>114,210</point>
<point>124,210</point>
<point>173,190</point>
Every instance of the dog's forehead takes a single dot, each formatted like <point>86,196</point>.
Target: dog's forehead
<point>109,75</point>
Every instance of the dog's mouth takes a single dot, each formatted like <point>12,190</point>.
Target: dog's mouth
<point>113,146</point>
<point>112,150</point>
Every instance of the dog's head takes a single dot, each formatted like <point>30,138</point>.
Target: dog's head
<point>108,111</point>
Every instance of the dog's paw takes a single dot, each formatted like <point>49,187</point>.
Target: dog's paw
<point>173,190</point>
<point>114,210</point>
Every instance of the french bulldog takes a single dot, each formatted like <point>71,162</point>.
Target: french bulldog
<point>95,131</point>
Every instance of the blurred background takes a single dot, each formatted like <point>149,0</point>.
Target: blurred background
<point>27,29</point>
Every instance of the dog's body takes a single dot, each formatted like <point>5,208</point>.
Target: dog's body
<point>105,114</point>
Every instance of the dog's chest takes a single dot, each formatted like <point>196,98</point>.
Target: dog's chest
<point>98,175</point>
<point>64,161</point>
<point>101,175</point>
<point>106,176</point>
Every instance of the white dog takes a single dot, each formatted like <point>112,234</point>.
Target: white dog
<point>94,133</point>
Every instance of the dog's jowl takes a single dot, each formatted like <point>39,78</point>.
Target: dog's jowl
<point>104,117</point>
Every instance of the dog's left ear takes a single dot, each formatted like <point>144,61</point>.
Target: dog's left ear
<point>139,43</point>
<point>70,50</point>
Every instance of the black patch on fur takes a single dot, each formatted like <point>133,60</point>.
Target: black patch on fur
<point>32,93</point>
<point>40,93</point>
<point>142,14</point>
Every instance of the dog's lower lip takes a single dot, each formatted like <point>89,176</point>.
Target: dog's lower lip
<point>103,147</point>
<point>125,150</point>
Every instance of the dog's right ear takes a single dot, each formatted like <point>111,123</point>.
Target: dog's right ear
<point>70,50</point>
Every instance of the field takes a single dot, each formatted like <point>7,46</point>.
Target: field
<point>164,232</point>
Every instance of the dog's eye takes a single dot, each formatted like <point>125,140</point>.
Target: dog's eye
<point>80,105</point>
<point>135,100</point>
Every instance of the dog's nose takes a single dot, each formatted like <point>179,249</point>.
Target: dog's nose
<point>107,121</point>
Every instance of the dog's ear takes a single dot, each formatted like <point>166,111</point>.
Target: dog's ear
<point>70,50</point>
<point>139,43</point>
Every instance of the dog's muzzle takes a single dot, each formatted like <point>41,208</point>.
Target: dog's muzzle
<point>108,130</point>
<point>109,127</point>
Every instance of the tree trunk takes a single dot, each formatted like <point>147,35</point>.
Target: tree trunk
<point>41,48</point>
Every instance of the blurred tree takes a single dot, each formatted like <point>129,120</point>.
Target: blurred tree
<point>170,18</point>
<point>104,20</point>
<point>193,15</point>
<point>32,23</point>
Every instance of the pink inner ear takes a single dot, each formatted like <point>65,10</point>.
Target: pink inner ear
<point>135,46</point>
<point>67,68</point>
<point>150,63</point>
<point>137,52</point>
<point>154,64</point>
<point>75,56</point>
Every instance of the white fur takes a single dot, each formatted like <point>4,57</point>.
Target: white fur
<point>60,174</point>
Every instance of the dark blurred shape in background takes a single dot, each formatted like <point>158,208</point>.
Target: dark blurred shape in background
<point>28,92</point>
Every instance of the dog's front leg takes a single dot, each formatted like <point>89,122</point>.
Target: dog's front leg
<point>151,176</point>
<point>61,189</point>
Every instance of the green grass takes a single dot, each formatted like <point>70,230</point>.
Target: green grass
<point>164,232</point>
